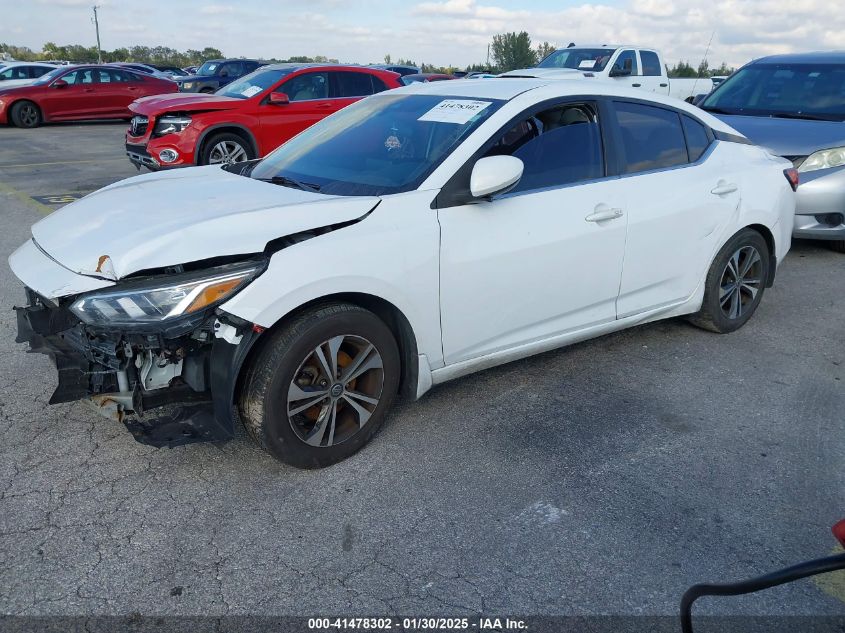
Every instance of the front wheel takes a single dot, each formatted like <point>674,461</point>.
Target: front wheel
<point>25,114</point>
<point>735,283</point>
<point>225,149</point>
<point>320,387</point>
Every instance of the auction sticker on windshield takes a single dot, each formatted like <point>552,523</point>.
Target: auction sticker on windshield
<point>454,111</point>
<point>251,91</point>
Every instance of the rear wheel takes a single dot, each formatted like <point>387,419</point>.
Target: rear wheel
<point>838,246</point>
<point>321,386</point>
<point>735,283</point>
<point>26,114</point>
<point>224,149</point>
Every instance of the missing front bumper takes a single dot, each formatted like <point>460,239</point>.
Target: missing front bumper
<point>88,364</point>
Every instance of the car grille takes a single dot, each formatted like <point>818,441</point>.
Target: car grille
<point>138,125</point>
<point>796,160</point>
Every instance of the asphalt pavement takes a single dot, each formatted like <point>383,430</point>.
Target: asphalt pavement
<point>604,478</point>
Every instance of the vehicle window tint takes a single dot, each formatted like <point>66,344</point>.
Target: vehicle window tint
<point>558,146</point>
<point>627,60</point>
<point>651,137</point>
<point>697,139</point>
<point>378,84</point>
<point>104,77</point>
<point>353,84</point>
<point>232,69</point>
<point>132,76</point>
<point>80,77</point>
<point>37,71</point>
<point>651,63</point>
<point>306,87</point>
<point>15,72</point>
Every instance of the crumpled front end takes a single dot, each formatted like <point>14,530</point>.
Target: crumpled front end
<point>171,383</point>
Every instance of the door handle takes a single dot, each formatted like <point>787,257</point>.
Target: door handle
<point>663,85</point>
<point>604,212</point>
<point>723,188</point>
<point>636,85</point>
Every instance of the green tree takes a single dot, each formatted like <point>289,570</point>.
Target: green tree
<point>682,69</point>
<point>703,69</point>
<point>544,50</point>
<point>513,50</point>
<point>387,58</point>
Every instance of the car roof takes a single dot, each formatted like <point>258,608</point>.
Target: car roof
<point>292,66</point>
<point>9,64</point>
<point>815,57</point>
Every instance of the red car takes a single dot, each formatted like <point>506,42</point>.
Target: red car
<point>75,93</point>
<point>249,117</point>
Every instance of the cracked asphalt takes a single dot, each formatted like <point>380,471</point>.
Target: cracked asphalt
<point>600,479</point>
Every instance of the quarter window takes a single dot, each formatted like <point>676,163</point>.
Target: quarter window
<point>651,64</point>
<point>558,146</point>
<point>697,139</point>
<point>652,138</point>
<point>353,84</point>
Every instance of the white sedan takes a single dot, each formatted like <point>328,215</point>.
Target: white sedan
<point>22,73</point>
<point>419,235</point>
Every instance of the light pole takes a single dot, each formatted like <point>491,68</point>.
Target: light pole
<point>97,27</point>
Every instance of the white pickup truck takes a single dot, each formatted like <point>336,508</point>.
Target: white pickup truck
<point>632,65</point>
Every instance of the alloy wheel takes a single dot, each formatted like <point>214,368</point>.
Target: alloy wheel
<point>740,282</point>
<point>335,390</point>
<point>227,152</point>
<point>29,115</point>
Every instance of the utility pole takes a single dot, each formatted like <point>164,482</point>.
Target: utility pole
<point>97,27</point>
<point>488,58</point>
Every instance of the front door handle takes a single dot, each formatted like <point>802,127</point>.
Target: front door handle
<point>723,188</point>
<point>636,85</point>
<point>604,212</point>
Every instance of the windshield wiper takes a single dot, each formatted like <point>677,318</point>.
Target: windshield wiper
<point>286,181</point>
<point>802,115</point>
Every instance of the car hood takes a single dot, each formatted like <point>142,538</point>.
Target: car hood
<point>788,137</point>
<point>17,89</point>
<point>183,102</point>
<point>546,73</point>
<point>182,216</point>
<point>198,78</point>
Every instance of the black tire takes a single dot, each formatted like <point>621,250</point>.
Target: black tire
<point>225,137</point>
<point>26,114</point>
<point>838,246</point>
<point>263,402</point>
<point>716,315</point>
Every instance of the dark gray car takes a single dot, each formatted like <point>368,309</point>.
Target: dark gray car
<point>794,105</point>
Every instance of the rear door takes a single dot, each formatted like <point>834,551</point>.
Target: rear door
<point>350,86</point>
<point>679,198</point>
<point>111,91</point>
<point>654,77</point>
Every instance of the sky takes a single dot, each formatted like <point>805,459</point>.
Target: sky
<point>441,32</point>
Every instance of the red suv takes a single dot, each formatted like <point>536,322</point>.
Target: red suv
<point>248,118</point>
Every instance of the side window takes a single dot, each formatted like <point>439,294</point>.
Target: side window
<point>627,60</point>
<point>232,69</point>
<point>697,139</point>
<point>79,77</point>
<point>558,146</point>
<point>378,85</point>
<point>651,63</point>
<point>104,77</point>
<point>37,71</point>
<point>651,137</point>
<point>351,84</point>
<point>306,87</point>
<point>132,76</point>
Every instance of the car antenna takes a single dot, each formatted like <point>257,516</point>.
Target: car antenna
<point>706,52</point>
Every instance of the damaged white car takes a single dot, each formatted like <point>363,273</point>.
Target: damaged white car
<point>416,236</point>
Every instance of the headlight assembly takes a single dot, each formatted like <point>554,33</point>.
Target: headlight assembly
<point>187,85</point>
<point>168,299</point>
<point>171,125</point>
<point>823,159</point>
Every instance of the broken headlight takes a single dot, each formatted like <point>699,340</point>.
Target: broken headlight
<point>171,125</point>
<point>169,298</point>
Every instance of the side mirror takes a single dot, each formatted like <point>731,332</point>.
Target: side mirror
<point>59,83</point>
<point>278,98</point>
<point>616,71</point>
<point>495,174</point>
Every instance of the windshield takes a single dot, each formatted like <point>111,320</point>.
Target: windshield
<point>812,91</point>
<point>381,145</point>
<point>50,76</point>
<point>578,58</point>
<point>208,68</point>
<point>253,83</point>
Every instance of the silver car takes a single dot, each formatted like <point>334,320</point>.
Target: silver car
<point>794,105</point>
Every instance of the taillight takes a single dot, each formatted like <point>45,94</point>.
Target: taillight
<point>839,532</point>
<point>793,178</point>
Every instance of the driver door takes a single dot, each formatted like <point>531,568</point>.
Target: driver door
<point>537,262</point>
<point>309,102</point>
